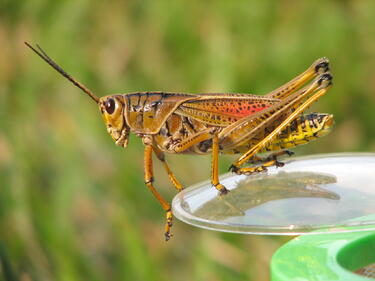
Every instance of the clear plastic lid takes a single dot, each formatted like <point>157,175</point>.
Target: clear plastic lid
<point>314,194</point>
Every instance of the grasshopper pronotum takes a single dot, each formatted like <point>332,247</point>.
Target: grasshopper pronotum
<point>215,123</point>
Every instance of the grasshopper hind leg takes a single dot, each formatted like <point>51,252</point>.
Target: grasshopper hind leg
<point>316,90</point>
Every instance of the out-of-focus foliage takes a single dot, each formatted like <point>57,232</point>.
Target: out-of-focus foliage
<point>73,206</point>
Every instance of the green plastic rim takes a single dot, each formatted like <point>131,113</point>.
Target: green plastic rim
<point>325,257</point>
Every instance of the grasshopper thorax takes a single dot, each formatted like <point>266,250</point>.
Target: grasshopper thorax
<point>112,109</point>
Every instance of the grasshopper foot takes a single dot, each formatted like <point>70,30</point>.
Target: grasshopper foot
<point>221,188</point>
<point>273,158</point>
<point>289,153</point>
<point>168,225</point>
<point>233,169</point>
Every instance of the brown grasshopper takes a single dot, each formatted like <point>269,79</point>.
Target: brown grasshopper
<point>215,123</point>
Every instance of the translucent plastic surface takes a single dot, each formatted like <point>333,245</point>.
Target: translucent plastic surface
<point>323,192</point>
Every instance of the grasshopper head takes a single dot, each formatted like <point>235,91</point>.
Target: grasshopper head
<point>112,109</point>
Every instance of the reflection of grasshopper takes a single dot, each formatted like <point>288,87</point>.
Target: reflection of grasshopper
<point>213,123</point>
<point>252,192</point>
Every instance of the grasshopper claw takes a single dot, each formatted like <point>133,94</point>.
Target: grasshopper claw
<point>322,66</point>
<point>325,80</point>
<point>289,153</point>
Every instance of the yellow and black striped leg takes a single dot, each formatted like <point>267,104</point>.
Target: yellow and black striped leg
<point>160,155</point>
<point>324,84</point>
<point>149,179</point>
<point>215,166</point>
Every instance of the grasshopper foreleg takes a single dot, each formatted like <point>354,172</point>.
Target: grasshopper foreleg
<point>149,179</point>
<point>160,155</point>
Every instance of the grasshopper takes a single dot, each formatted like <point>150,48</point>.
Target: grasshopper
<point>214,123</point>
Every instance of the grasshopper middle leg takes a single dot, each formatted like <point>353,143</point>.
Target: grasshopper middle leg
<point>214,166</point>
<point>208,134</point>
<point>160,155</point>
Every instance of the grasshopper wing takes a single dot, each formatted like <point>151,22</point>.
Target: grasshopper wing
<point>223,110</point>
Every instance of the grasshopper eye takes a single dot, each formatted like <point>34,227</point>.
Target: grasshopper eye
<point>110,105</point>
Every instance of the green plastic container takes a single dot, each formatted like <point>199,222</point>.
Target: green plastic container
<point>331,256</point>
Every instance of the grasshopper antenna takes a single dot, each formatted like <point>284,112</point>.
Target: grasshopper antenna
<point>39,51</point>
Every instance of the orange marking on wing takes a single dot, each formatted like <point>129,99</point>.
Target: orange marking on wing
<point>222,111</point>
<point>232,107</point>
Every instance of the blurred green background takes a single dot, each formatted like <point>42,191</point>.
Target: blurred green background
<point>73,206</point>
